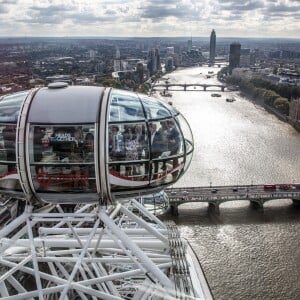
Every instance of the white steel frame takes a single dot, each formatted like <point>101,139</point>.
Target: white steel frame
<point>91,253</point>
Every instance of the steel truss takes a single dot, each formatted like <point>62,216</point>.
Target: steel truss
<point>94,252</point>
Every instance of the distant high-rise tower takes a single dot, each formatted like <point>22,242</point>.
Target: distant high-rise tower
<point>245,57</point>
<point>153,61</point>
<point>169,64</point>
<point>117,61</point>
<point>92,54</point>
<point>140,71</point>
<point>170,50</point>
<point>234,55</point>
<point>212,47</point>
<point>190,44</point>
<point>118,54</point>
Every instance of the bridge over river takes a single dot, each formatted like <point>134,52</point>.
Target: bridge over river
<point>171,86</point>
<point>215,195</point>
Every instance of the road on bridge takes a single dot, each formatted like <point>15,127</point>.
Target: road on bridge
<point>215,195</point>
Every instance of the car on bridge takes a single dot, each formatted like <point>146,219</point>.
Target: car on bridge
<point>214,191</point>
<point>284,186</point>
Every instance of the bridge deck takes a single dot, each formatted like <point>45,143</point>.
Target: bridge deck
<point>217,194</point>
<point>167,86</point>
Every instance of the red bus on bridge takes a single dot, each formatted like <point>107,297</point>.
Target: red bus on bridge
<point>270,187</point>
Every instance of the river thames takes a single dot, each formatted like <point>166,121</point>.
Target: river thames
<point>245,253</point>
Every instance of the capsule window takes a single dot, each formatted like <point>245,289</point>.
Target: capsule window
<point>128,154</point>
<point>62,158</point>
<point>125,107</point>
<point>10,106</point>
<point>9,111</point>
<point>143,154</point>
<point>9,179</point>
<point>166,146</point>
<point>155,109</point>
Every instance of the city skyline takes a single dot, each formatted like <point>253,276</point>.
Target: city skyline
<point>229,18</point>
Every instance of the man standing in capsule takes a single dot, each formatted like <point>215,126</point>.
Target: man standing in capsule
<point>156,147</point>
<point>9,137</point>
<point>174,142</point>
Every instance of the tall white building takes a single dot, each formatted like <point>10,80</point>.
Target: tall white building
<point>92,54</point>
<point>169,64</point>
<point>170,51</point>
<point>118,54</point>
<point>117,65</point>
<point>153,61</point>
<point>117,62</point>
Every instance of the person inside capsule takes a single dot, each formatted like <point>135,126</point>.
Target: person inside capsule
<point>9,138</point>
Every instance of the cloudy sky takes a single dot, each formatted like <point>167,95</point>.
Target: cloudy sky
<point>127,18</point>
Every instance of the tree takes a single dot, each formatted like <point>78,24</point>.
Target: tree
<point>282,104</point>
<point>269,97</point>
<point>144,88</point>
<point>222,74</point>
<point>247,87</point>
<point>259,93</point>
<point>109,82</point>
<point>233,80</point>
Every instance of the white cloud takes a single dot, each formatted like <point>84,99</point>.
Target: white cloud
<point>150,18</point>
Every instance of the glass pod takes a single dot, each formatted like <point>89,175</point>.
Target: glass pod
<point>78,144</point>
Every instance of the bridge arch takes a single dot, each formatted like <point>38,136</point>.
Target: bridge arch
<point>214,204</point>
<point>185,86</point>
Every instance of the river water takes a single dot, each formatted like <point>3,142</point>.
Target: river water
<point>245,253</point>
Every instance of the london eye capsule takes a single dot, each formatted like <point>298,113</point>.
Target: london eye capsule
<point>77,144</point>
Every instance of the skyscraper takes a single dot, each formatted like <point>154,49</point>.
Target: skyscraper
<point>190,44</point>
<point>212,47</point>
<point>118,54</point>
<point>169,64</point>
<point>117,61</point>
<point>153,61</point>
<point>140,71</point>
<point>245,57</point>
<point>234,56</point>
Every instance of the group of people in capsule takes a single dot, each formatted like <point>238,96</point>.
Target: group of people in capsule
<point>63,157</point>
<point>135,151</point>
<point>132,146</point>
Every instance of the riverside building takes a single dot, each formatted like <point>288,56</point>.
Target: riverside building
<point>234,56</point>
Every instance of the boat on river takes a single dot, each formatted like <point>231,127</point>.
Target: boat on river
<point>232,99</point>
<point>165,94</point>
<point>215,95</point>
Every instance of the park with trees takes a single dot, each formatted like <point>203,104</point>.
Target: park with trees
<point>263,91</point>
